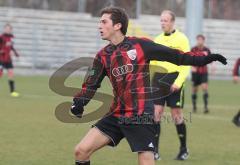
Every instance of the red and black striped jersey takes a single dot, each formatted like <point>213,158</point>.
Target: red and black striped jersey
<point>127,67</point>
<point>236,69</point>
<point>6,46</point>
<point>204,51</point>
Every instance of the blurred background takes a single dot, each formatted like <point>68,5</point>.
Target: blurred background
<point>51,32</point>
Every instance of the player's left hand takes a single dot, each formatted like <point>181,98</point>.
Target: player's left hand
<point>218,57</point>
<point>174,88</point>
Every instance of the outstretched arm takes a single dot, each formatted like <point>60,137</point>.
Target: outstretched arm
<point>159,52</point>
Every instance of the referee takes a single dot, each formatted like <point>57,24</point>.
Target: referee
<point>169,80</point>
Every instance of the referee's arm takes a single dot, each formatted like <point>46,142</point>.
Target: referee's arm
<point>183,70</point>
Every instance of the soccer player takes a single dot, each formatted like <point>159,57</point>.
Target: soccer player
<point>125,62</point>
<point>6,48</point>
<point>174,76</point>
<point>236,71</point>
<point>236,75</point>
<point>200,74</point>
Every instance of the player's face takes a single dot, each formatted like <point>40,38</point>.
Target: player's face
<point>106,27</point>
<point>200,41</point>
<point>166,22</point>
<point>8,29</point>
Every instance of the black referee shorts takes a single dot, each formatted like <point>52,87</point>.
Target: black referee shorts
<point>162,96</point>
<point>140,136</point>
<point>198,79</point>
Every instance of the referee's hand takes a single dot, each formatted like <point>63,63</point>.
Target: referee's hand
<point>174,88</point>
<point>218,57</point>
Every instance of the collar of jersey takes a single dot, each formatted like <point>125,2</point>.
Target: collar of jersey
<point>168,34</point>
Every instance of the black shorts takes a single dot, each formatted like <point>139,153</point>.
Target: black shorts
<point>140,136</point>
<point>198,79</point>
<point>162,95</point>
<point>6,65</point>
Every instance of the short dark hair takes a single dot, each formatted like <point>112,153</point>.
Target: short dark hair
<point>118,15</point>
<point>171,13</point>
<point>200,36</point>
<point>8,25</point>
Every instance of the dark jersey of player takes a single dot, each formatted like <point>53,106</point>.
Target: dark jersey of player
<point>6,46</point>
<point>204,51</point>
<point>126,65</point>
<point>236,69</point>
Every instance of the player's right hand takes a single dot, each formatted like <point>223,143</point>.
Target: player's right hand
<point>77,108</point>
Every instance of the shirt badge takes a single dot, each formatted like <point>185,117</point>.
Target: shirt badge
<point>132,54</point>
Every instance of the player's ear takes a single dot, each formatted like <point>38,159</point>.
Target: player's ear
<point>117,26</point>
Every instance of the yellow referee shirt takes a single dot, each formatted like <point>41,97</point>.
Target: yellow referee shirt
<point>176,40</point>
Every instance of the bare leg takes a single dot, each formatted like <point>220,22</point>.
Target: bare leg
<point>93,141</point>
<point>146,158</point>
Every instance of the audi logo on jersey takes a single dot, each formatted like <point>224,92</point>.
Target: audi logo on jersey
<point>122,70</point>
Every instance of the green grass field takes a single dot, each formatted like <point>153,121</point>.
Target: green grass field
<point>30,134</point>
